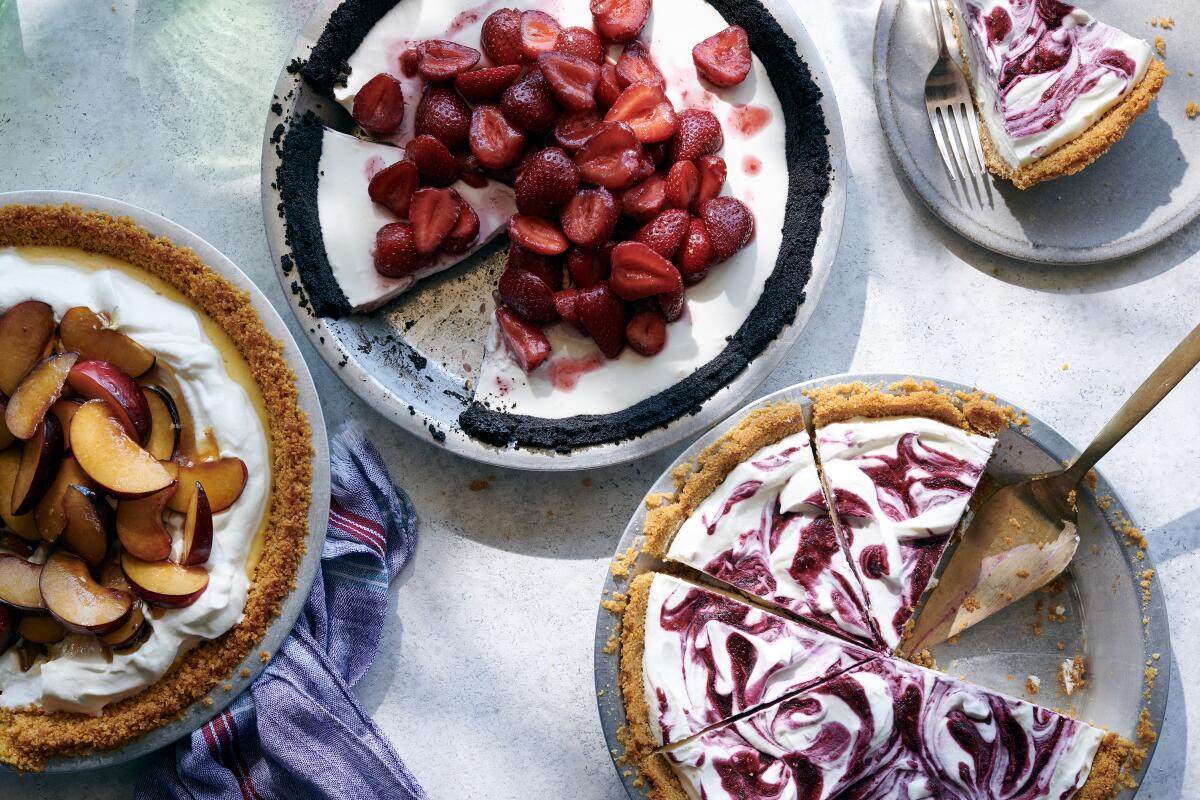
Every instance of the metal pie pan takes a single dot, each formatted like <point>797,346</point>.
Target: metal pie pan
<point>318,513</point>
<point>372,353</point>
<point>1136,195</point>
<point>1102,602</point>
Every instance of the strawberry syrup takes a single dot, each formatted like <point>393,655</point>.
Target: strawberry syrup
<point>566,372</point>
<point>748,119</point>
<point>373,166</point>
<point>751,165</point>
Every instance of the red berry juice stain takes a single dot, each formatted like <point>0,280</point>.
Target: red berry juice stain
<point>748,119</point>
<point>373,166</point>
<point>566,372</point>
<point>751,165</point>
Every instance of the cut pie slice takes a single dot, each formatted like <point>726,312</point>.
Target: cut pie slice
<point>1055,87</point>
<point>691,658</point>
<point>889,729</point>
<point>332,220</point>
<point>901,466</point>
<point>751,514</point>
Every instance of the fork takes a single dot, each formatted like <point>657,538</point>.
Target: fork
<point>951,112</point>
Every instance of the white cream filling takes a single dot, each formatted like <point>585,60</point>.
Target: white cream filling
<point>350,219</point>
<point>788,658</point>
<point>1082,114</point>
<point>175,334</point>
<point>717,307</point>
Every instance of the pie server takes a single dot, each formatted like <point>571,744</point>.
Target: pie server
<point>1024,533</point>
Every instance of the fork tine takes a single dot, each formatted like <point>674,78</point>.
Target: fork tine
<point>961,115</point>
<point>974,122</point>
<point>940,138</point>
<point>956,144</point>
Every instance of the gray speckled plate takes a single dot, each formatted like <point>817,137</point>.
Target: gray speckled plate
<point>1102,602</point>
<point>318,511</point>
<point>1139,193</point>
<point>374,354</point>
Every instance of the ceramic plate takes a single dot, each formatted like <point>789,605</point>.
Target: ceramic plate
<point>1103,602</point>
<point>1142,191</point>
<point>318,512</point>
<point>374,354</point>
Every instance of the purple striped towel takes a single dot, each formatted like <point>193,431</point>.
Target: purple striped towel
<point>299,732</point>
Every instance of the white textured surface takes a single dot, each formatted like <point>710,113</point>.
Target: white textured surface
<point>162,105</point>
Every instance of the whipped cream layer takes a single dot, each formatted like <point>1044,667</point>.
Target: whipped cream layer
<point>1045,71</point>
<point>349,218</point>
<point>708,657</point>
<point>767,531</point>
<point>86,680</point>
<point>889,729</point>
<point>577,379</point>
<point>901,485</point>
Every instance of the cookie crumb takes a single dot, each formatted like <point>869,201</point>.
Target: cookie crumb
<point>208,701</point>
<point>1192,110</point>
<point>1160,45</point>
<point>1033,685</point>
<point>478,485</point>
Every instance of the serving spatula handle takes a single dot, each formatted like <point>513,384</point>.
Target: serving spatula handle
<point>1170,372</point>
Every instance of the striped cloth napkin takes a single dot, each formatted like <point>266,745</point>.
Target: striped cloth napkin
<point>299,732</point>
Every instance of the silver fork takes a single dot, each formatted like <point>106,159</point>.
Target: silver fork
<point>951,112</point>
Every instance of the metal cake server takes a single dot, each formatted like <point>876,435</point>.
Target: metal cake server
<point>1024,534</point>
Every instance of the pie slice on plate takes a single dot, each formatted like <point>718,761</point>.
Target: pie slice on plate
<point>751,513</point>
<point>889,729</point>
<point>1054,86</point>
<point>692,658</point>
<point>901,468</point>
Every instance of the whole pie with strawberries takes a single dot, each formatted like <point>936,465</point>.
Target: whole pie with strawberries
<point>657,172</point>
<point>155,475</point>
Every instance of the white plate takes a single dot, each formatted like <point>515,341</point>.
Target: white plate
<point>318,510</point>
<point>1103,602</point>
<point>1139,193</point>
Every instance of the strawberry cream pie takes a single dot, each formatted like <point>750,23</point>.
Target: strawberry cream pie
<point>641,172</point>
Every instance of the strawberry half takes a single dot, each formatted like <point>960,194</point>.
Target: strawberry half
<point>409,60</point>
<point>530,103</point>
<point>444,115</point>
<point>433,214</point>
<point>588,218</point>
<point>572,78</point>
<point>574,129</point>
<point>528,345</point>
<point>724,57</point>
<point>696,253</point>
<point>603,316</point>
<point>671,304</point>
<point>500,37</point>
<point>644,200</point>
<point>527,295</point>
<point>495,141</point>
<point>544,267</point>
<point>665,233</point>
<point>587,267</point>
<point>547,179</point>
<point>712,178</point>
<point>699,134</point>
<point>612,156</point>
<point>683,182</point>
<point>486,83</point>
<point>619,20</point>
<point>607,90</point>
<point>638,272</point>
<point>581,42</point>
<point>539,33</point>
<point>435,163</point>
<point>646,332</point>
<point>537,234</point>
<point>396,253</point>
<point>442,60</point>
<point>647,110</point>
<point>566,303</point>
<point>635,65</point>
<point>393,186</point>
<point>729,223</point>
<point>379,105</point>
<point>465,232</point>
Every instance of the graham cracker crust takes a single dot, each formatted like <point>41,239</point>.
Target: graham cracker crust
<point>1081,151</point>
<point>629,671</point>
<point>694,481</point>
<point>971,411</point>
<point>29,737</point>
<point>1104,781</point>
